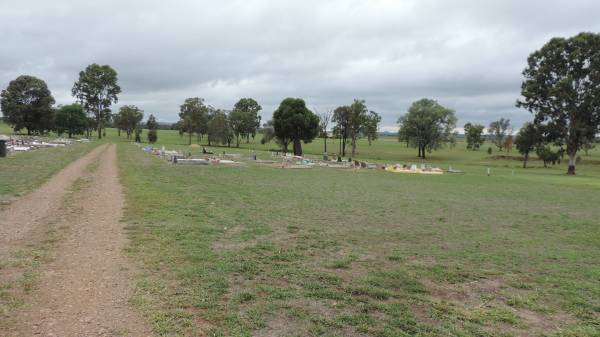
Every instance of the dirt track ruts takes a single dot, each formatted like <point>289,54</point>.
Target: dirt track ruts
<point>23,215</point>
<point>84,290</point>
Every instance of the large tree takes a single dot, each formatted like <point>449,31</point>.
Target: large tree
<point>27,104</point>
<point>244,119</point>
<point>219,129</point>
<point>97,90</point>
<point>528,138</point>
<point>193,117</point>
<point>371,126</point>
<point>498,130</point>
<point>427,126</point>
<point>70,119</point>
<point>293,123</point>
<point>474,136</point>
<point>356,122</point>
<point>130,117</point>
<point>562,89</point>
<point>341,118</point>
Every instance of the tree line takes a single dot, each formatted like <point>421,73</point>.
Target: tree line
<point>561,88</point>
<point>28,104</point>
<point>291,125</point>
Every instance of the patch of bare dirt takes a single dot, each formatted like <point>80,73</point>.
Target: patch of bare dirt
<point>471,295</point>
<point>22,216</point>
<point>85,290</point>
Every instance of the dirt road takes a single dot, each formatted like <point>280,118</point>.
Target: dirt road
<point>84,290</point>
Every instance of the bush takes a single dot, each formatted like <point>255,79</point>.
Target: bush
<point>489,150</point>
<point>152,136</point>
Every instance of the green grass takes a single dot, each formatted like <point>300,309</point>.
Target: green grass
<point>24,171</point>
<point>254,250</point>
<point>242,251</point>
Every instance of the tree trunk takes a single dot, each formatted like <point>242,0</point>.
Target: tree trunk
<point>99,126</point>
<point>297,147</point>
<point>118,132</point>
<point>190,138</point>
<point>525,159</point>
<point>325,142</point>
<point>572,159</point>
<point>353,146</point>
<point>248,139</point>
<point>70,134</point>
<point>419,150</point>
<point>237,140</point>
<point>423,151</point>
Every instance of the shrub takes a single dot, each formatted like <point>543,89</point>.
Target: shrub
<point>152,136</point>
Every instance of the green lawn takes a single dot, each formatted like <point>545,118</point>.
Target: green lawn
<point>21,172</point>
<point>253,250</point>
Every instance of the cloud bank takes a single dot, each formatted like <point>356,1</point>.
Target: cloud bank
<point>468,55</point>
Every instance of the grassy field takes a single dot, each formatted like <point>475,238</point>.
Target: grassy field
<point>22,172</point>
<point>260,251</point>
<point>242,251</point>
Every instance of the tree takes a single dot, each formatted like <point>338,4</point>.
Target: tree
<point>219,129</point>
<point>474,135</point>
<point>152,125</point>
<point>138,133</point>
<point>130,118</point>
<point>562,89</point>
<point>341,118</point>
<point>70,119</point>
<point>508,142</point>
<point>245,119</point>
<point>193,117</point>
<point>498,130</point>
<point>97,90</point>
<point>545,153</point>
<point>527,140</point>
<point>427,126</point>
<point>371,126</point>
<point>268,132</point>
<point>27,104</point>
<point>293,123</point>
<point>356,122</point>
<point>324,119</point>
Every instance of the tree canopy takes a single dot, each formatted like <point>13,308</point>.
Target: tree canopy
<point>219,129</point>
<point>293,123</point>
<point>97,90</point>
<point>474,136</point>
<point>427,126</point>
<point>341,118</point>
<point>498,130</point>
<point>528,138</point>
<point>561,87</point>
<point>27,104</point>
<point>244,119</point>
<point>371,126</point>
<point>130,117</point>
<point>70,119</point>
<point>193,117</point>
<point>356,122</point>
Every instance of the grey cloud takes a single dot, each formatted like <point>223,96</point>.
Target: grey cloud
<point>466,54</point>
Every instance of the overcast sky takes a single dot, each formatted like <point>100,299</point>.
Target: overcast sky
<point>468,55</point>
